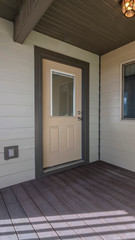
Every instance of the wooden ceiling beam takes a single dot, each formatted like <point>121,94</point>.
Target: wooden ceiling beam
<point>29,15</point>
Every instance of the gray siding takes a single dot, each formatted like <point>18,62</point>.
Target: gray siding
<point>117,136</point>
<point>17,100</point>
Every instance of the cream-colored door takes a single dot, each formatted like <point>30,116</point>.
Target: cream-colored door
<point>62,98</point>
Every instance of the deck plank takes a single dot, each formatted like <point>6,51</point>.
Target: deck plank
<point>71,197</point>
<point>66,212</point>
<point>117,190</point>
<point>7,231</point>
<point>109,201</point>
<point>88,201</point>
<point>63,230</point>
<point>117,176</point>
<point>20,221</point>
<point>124,189</point>
<point>94,202</point>
<point>40,224</point>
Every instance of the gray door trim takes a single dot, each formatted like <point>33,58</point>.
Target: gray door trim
<point>40,54</point>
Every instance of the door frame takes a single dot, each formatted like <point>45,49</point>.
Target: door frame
<point>40,54</point>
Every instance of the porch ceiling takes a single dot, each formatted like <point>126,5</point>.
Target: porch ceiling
<point>96,26</point>
<point>9,9</point>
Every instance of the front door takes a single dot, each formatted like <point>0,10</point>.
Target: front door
<point>62,107</point>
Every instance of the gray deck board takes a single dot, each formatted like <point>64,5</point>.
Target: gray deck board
<point>7,230</point>
<point>40,224</point>
<point>51,214</point>
<point>20,221</point>
<point>78,198</point>
<point>94,202</point>
<point>110,197</point>
<point>67,212</point>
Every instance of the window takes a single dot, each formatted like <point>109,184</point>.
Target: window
<point>62,96</point>
<point>128,96</point>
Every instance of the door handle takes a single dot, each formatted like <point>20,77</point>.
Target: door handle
<point>79,118</point>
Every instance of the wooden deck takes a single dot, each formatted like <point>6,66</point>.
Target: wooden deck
<point>94,202</point>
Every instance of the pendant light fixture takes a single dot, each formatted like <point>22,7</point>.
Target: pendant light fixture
<point>128,8</point>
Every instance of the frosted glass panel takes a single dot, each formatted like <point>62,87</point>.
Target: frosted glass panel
<point>62,94</point>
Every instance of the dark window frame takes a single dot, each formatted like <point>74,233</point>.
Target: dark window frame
<point>40,54</point>
<point>122,99</point>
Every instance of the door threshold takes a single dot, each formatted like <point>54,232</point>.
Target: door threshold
<point>63,167</point>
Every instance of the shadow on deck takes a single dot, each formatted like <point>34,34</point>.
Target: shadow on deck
<point>93,202</point>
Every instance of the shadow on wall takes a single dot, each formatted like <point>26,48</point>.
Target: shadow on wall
<point>90,202</point>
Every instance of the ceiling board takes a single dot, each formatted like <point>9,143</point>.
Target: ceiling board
<point>9,8</point>
<point>96,26</point>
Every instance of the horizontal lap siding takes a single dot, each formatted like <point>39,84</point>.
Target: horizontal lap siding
<point>117,136</point>
<point>17,99</point>
<point>16,107</point>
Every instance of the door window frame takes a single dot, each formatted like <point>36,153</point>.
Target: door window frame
<point>40,54</point>
<point>51,100</point>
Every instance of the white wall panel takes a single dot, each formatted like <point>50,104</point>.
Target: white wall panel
<point>27,143</point>
<point>117,136</point>
<point>16,133</point>
<point>16,111</point>
<point>16,122</point>
<point>17,99</point>
<point>20,176</point>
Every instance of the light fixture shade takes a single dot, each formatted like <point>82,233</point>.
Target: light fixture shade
<point>128,8</point>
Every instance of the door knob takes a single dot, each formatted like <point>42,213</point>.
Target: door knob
<point>79,118</point>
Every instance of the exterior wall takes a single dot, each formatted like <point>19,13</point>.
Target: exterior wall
<point>17,100</point>
<point>117,136</point>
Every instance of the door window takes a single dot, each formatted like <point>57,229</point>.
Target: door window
<point>62,94</point>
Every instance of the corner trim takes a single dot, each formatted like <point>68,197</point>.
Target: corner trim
<point>99,119</point>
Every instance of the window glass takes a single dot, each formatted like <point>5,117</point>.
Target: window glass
<point>62,94</point>
<point>129,90</point>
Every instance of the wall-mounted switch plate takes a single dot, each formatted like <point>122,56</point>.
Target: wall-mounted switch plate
<point>10,152</point>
